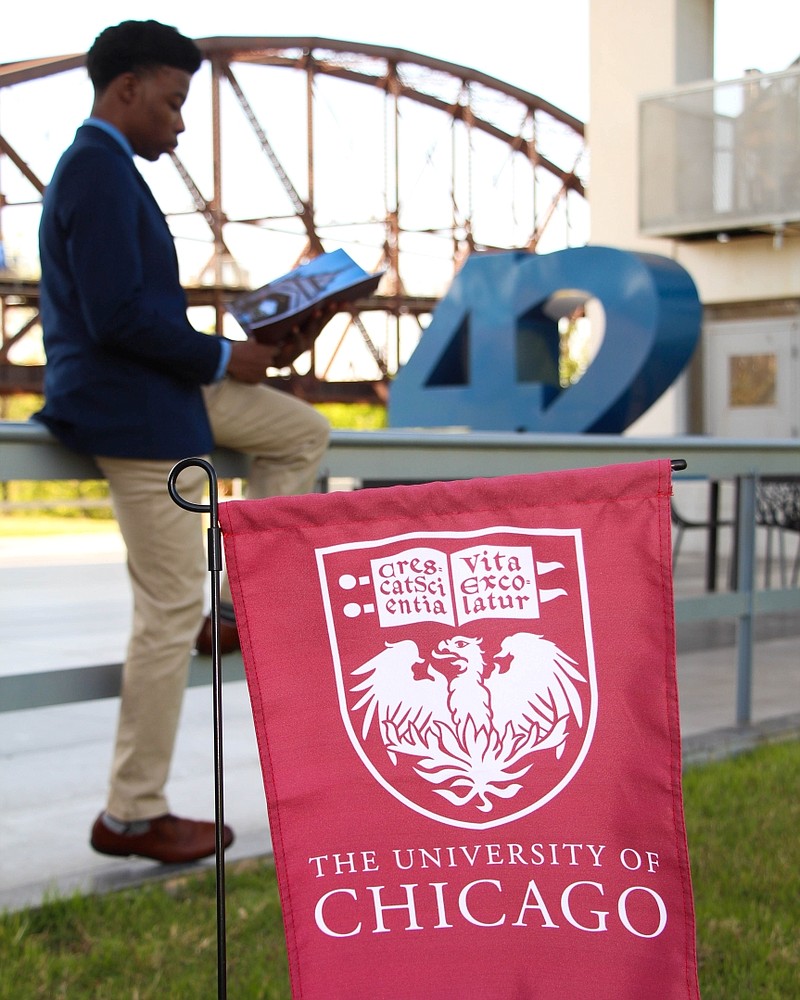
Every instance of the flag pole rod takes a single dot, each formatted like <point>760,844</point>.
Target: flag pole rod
<point>215,569</point>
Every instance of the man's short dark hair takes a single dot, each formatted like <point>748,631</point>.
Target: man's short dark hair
<point>139,45</point>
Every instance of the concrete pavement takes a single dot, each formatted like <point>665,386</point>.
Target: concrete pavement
<point>65,603</point>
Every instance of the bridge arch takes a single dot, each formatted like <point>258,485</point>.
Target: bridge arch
<point>299,145</point>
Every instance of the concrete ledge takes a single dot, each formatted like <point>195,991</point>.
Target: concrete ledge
<point>731,740</point>
<point>28,451</point>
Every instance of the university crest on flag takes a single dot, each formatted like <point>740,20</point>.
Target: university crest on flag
<point>465,666</point>
<point>466,709</point>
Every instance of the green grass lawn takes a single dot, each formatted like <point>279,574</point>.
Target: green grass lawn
<point>743,822</point>
<point>159,941</point>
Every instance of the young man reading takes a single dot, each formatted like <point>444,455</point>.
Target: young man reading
<point>131,382</point>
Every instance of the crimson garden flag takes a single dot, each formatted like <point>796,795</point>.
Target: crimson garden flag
<point>466,709</point>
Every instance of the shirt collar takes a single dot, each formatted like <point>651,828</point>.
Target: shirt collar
<point>113,131</point>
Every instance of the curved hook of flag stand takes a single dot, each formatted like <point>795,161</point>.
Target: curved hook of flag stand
<point>215,569</point>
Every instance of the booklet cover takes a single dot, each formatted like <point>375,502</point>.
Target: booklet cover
<point>272,312</point>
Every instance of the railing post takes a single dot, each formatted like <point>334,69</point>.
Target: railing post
<point>745,574</point>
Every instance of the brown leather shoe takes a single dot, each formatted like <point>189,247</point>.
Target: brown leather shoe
<point>167,839</point>
<point>228,637</point>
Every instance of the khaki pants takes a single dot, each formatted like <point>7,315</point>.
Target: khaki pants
<point>167,566</point>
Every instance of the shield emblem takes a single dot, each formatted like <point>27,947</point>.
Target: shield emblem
<point>464,666</point>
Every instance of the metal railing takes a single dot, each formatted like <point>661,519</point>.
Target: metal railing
<point>28,452</point>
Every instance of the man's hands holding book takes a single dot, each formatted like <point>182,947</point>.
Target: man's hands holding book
<point>250,358</point>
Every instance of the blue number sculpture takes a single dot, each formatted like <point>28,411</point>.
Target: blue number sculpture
<point>489,359</point>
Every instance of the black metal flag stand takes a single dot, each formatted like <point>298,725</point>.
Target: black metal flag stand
<point>215,569</point>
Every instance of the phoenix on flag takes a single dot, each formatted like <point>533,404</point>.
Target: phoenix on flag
<point>471,722</point>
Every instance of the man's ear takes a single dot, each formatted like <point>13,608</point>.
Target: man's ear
<point>126,87</point>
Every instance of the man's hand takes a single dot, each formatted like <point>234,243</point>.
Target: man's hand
<point>249,360</point>
<point>302,335</point>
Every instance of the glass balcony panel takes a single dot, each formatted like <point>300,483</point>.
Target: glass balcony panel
<point>719,158</point>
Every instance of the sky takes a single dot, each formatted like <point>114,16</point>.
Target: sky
<point>543,50</point>
<point>457,32</point>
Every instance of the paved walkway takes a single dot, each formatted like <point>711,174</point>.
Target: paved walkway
<point>66,604</point>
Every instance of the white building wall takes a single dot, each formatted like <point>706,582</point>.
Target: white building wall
<point>751,283</point>
<point>756,268</point>
<point>635,48</point>
<point>639,48</point>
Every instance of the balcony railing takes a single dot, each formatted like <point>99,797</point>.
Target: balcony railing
<point>720,158</point>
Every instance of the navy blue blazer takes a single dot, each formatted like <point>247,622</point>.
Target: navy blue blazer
<point>124,365</point>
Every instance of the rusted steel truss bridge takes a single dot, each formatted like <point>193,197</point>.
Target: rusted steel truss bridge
<point>295,146</point>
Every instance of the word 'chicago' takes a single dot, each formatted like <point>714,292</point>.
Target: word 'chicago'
<point>346,912</point>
